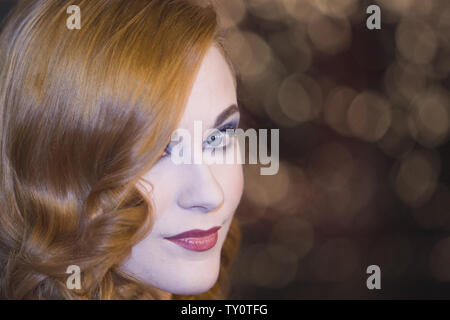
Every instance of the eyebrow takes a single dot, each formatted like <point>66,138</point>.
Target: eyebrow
<point>225,114</point>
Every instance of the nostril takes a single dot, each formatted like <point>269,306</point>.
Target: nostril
<point>206,208</point>
<point>200,208</point>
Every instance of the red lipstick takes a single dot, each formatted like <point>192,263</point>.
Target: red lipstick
<point>196,240</point>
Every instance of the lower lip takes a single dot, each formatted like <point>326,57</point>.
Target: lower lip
<point>197,244</point>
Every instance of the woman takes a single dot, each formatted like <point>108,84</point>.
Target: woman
<point>86,178</point>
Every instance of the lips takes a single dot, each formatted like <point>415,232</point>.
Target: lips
<point>196,240</point>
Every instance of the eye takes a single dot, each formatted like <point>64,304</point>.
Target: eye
<point>166,152</point>
<point>216,139</point>
<point>220,138</point>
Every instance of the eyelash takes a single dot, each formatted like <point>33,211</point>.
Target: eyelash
<point>223,129</point>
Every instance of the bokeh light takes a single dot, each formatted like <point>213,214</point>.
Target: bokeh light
<point>369,116</point>
<point>416,177</point>
<point>329,35</point>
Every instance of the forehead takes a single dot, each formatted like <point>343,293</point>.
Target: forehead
<point>212,92</point>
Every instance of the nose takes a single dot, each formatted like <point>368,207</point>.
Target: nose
<point>201,192</point>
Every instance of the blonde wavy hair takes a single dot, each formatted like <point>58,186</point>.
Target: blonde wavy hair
<point>83,115</point>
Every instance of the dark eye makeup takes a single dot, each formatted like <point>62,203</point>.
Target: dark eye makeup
<point>231,125</point>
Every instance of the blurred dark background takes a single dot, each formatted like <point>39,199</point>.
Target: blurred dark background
<point>364,121</point>
<point>364,156</point>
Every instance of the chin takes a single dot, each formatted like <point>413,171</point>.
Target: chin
<point>192,284</point>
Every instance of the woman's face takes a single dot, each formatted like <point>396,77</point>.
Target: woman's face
<point>192,196</point>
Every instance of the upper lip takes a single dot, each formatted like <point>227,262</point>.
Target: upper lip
<point>194,233</point>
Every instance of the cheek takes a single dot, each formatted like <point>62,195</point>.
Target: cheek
<point>231,179</point>
<point>164,183</point>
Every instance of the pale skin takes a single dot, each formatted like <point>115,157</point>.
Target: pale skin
<point>191,196</point>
